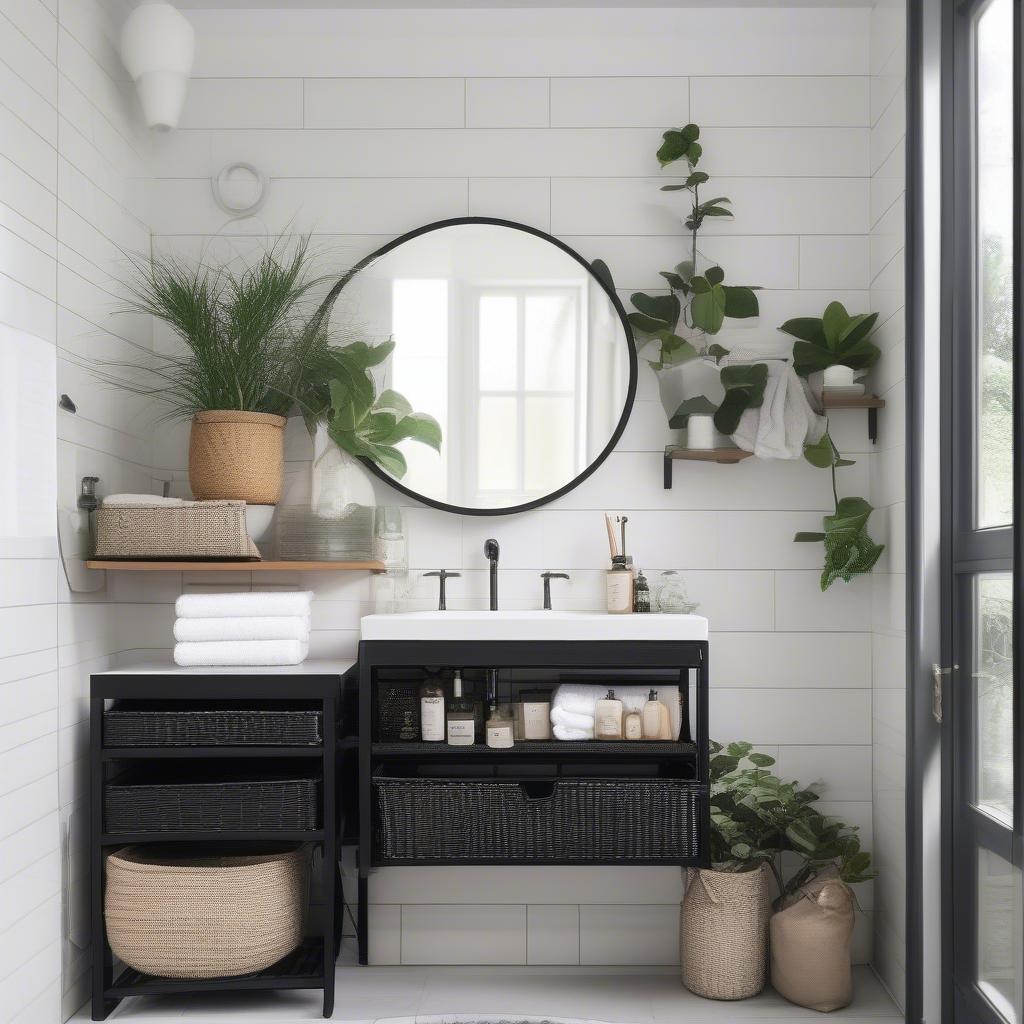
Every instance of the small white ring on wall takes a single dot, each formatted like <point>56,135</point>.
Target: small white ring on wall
<point>239,189</point>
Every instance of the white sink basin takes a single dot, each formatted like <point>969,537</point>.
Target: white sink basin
<point>533,625</point>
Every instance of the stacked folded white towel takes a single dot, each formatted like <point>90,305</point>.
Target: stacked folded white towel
<point>260,628</point>
<point>574,707</point>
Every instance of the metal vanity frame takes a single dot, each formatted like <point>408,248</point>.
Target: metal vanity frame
<point>688,657</point>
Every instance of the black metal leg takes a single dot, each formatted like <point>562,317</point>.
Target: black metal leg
<point>363,927</point>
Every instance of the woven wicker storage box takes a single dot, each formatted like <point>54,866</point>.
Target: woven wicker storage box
<point>173,915</point>
<point>151,723</point>
<point>570,819</point>
<point>155,801</point>
<point>192,530</point>
<point>240,455</point>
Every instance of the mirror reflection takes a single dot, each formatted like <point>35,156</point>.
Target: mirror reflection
<point>511,344</point>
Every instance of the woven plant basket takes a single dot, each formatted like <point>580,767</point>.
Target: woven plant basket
<point>236,455</point>
<point>177,916</point>
<point>723,932</point>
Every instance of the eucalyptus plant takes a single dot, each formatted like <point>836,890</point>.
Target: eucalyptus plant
<point>684,322</point>
<point>756,817</point>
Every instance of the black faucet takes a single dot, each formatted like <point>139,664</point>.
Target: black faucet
<point>443,575</point>
<point>547,577</point>
<point>491,552</point>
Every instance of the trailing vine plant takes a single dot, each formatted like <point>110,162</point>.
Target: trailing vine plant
<point>684,322</point>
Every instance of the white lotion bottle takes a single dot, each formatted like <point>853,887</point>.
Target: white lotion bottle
<point>651,716</point>
<point>608,718</point>
<point>432,724</point>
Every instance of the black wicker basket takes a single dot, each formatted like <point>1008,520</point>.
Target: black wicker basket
<point>398,712</point>
<point>209,724</point>
<point>574,820</point>
<point>185,801</point>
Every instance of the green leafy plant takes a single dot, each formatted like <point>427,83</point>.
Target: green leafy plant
<point>849,549</point>
<point>700,302</point>
<point>835,339</point>
<point>756,817</point>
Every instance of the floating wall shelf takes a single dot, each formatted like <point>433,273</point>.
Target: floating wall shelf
<point>130,566</point>
<point>869,402</point>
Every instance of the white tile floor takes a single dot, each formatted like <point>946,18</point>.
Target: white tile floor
<point>615,995</point>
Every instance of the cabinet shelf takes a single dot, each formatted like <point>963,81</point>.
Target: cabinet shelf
<point>264,835</point>
<point>169,753</point>
<point>126,565</point>
<point>553,749</point>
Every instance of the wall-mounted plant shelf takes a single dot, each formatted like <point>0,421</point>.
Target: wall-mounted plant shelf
<point>723,456</point>
<point>869,402</point>
<point>129,566</point>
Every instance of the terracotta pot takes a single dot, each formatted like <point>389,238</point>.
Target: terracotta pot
<point>236,455</point>
<point>811,940</point>
<point>723,932</point>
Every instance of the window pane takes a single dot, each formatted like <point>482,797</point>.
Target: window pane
<point>999,934</point>
<point>994,301</point>
<point>551,342</point>
<point>993,696</point>
<point>497,343</point>
<point>550,439</point>
<point>498,445</point>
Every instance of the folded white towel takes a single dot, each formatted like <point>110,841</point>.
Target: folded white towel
<point>582,698</point>
<point>572,720</point>
<point>141,499</point>
<point>228,606</point>
<point>268,627</point>
<point>565,732</point>
<point>241,653</point>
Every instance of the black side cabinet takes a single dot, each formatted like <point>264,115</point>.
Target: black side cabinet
<point>311,966</point>
<point>538,802</point>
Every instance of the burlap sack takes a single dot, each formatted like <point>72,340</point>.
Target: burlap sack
<point>723,932</point>
<point>810,941</point>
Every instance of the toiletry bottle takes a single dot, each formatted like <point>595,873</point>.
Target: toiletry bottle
<point>499,728</point>
<point>642,596</point>
<point>620,587</point>
<point>460,718</point>
<point>432,712</point>
<point>633,726</point>
<point>608,718</point>
<point>665,733</point>
<point>652,716</point>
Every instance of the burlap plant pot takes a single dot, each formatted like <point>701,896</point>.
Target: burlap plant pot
<point>811,944</point>
<point>723,932</point>
<point>173,915</point>
<point>236,456</point>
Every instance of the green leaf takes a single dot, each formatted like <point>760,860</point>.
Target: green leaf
<point>808,538</point>
<point>761,760</point>
<point>715,211</point>
<point>672,188</point>
<point>744,389</point>
<point>646,324</point>
<point>694,152</point>
<point>707,308</point>
<point>658,307</point>
<point>833,321</point>
<point>740,302</point>
<point>393,402</point>
<point>739,749</point>
<point>717,352</point>
<point>696,178</point>
<point>692,406</point>
<point>674,281</point>
<point>685,270</point>
<point>691,132</point>
<point>821,453</point>
<point>674,146</point>
<point>806,328</point>
<point>714,275</point>
<point>600,270</point>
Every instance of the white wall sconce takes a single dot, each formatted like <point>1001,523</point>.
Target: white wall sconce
<point>239,189</point>
<point>157,47</point>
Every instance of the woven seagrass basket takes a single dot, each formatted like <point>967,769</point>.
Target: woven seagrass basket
<point>236,455</point>
<point>172,915</point>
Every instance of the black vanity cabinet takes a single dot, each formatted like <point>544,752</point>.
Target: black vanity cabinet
<point>538,802</point>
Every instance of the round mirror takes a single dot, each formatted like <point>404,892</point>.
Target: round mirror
<point>513,344</point>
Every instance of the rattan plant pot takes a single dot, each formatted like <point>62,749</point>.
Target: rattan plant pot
<point>723,932</point>
<point>236,455</point>
<point>172,915</point>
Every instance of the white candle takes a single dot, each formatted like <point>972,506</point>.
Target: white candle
<point>837,377</point>
<point>700,432</point>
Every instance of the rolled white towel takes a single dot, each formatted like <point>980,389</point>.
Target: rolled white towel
<point>582,698</point>
<point>241,653</point>
<point>572,720</point>
<point>267,627</point>
<point>579,697</point>
<point>259,603</point>
<point>565,732</point>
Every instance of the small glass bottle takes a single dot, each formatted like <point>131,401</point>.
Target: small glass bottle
<point>460,718</point>
<point>499,727</point>
<point>633,726</point>
<point>432,726</point>
<point>642,596</point>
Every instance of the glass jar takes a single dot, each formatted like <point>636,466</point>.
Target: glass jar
<point>672,598</point>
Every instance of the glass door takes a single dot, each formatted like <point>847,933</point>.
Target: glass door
<point>987,944</point>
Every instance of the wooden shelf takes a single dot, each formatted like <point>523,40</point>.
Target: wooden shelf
<point>851,401</point>
<point>200,566</point>
<point>723,456</point>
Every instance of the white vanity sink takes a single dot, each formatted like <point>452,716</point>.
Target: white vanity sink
<point>532,625</point>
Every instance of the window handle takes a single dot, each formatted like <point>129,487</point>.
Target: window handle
<point>937,673</point>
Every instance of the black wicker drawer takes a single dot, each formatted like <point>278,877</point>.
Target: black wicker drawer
<point>570,820</point>
<point>151,802</point>
<point>210,724</point>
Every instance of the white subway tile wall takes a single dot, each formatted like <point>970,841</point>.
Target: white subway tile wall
<point>370,123</point>
<point>888,630</point>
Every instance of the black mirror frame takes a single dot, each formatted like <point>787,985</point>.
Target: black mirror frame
<point>328,303</point>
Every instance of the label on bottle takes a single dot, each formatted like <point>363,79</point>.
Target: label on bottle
<point>620,592</point>
<point>432,719</point>
<point>499,735</point>
<point>460,732</point>
<point>634,727</point>
<point>609,721</point>
<point>536,722</point>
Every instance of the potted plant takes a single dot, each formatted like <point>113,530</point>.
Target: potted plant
<point>682,324</point>
<point>724,923</point>
<point>836,339</point>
